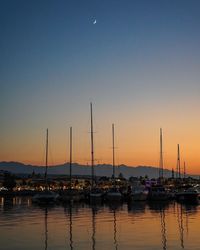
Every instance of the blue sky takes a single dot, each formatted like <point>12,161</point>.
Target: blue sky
<point>139,65</point>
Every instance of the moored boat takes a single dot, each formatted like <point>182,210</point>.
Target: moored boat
<point>71,195</point>
<point>158,193</point>
<point>46,196</point>
<point>190,195</point>
<point>139,193</point>
<point>113,194</point>
<point>96,194</point>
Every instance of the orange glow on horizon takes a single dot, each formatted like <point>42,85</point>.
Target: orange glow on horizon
<point>135,145</point>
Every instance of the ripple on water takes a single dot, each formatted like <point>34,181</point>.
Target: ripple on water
<point>126,226</point>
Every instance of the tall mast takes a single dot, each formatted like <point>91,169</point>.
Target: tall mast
<point>70,159</point>
<point>178,168</point>
<point>92,146</point>
<point>184,173</point>
<point>161,155</point>
<point>113,149</point>
<point>46,164</point>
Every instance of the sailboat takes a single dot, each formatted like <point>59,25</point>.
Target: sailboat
<point>46,196</point>
<point>159,192</point>
<point>96,193</point>
<point>71,194</point>
<point>113,194</point>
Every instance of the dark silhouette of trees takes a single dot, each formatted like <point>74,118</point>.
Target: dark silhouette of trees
<point>121,177</point>
<point>9,181</point>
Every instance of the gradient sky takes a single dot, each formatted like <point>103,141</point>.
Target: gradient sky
<point>139,65</point>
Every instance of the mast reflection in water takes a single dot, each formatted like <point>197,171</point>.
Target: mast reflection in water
<point>70,225</point>
<point>46,228</point>
<point>80,226</point>
<point>115,230</point>
<point>163,229</point>
<point>93,228</point>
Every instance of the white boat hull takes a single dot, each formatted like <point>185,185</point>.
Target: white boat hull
<point>45,197</point>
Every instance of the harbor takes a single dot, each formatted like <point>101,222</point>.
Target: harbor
<point>99,138</point>
<point>135,189</point>
<point>169,225</point>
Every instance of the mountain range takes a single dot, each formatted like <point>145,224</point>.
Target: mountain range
<point>77,169</point>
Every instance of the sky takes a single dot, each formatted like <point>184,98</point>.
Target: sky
<point>139,65</point>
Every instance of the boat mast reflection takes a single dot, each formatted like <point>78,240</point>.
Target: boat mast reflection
<point>94,211</point>
<point>70,226</point>
<point>115,229</point>
<point>186,222</point>
<point>46,228</point>
<point>163,228</point>
<point>114,208</point>
<point>180,223</point>
<point>160,208</point>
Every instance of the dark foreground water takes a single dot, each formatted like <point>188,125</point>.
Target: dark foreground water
<point>139,226</point>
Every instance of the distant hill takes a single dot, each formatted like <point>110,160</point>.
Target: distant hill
<point>100,170</point>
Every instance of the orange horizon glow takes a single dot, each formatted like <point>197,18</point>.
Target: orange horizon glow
<point>125,157</point>
<point>126,153</point>
<point>143,152</point>
<point>137,141</point>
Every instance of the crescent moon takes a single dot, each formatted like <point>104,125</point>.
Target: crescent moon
<point>95,21</point>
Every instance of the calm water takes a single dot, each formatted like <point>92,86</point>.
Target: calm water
<point>138,226</point>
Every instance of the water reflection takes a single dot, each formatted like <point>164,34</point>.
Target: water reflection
<point>115,229</point>
<point>46,227</point>
<point>70,225</point>
<point>95,207</point>
<point>163,228</point>
<point>183,212</point>
<point>98,226</point>
<point>8,203</point>
<point>137,207</point>
<point>1,201</point>
<point>161,207</point>
<point>114,207</point>
<point>157,206</point>
<point>183,221</point>
<point>45,214</point>
<point>70,228</point>
<point>94,211</point>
